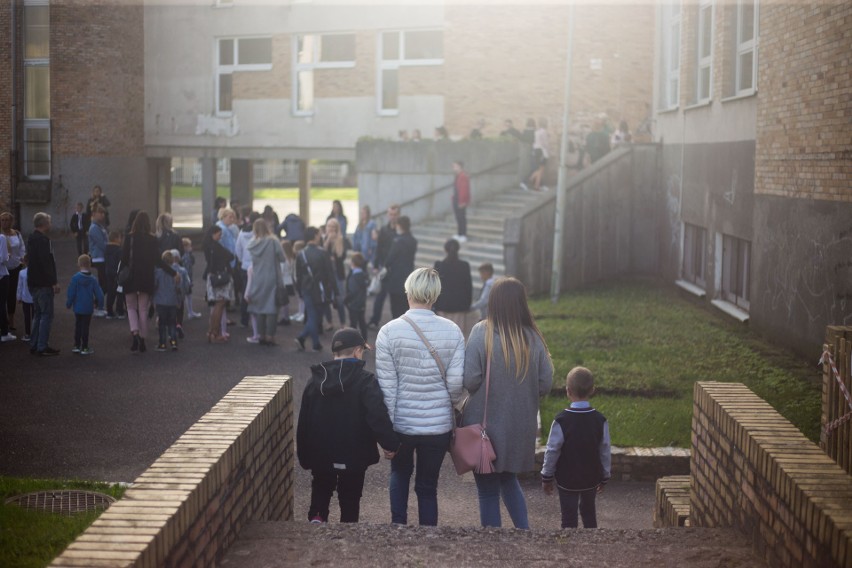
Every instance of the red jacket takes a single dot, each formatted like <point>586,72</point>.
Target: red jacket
<point>461,193</point>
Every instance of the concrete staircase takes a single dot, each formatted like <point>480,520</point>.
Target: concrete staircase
<point>484,232</point>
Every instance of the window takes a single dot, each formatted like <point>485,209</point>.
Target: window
<point>745,62</point>
<point>404,48</point>
<point>670,53</point>
<point>315,51</point>
<point>704,51</point>
<point>238,54</point>
<point>36,89</point>
<point>736,264</point>
<point>694,260</point>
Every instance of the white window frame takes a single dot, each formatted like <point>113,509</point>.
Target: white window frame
<point>396,64</point>
<point>39,123</point>
<point>311,66</point>
<point>235,67</point>
<point>694,255</point>
<point>745,47</point>
<point>671,27</point>
<point>706,8</point>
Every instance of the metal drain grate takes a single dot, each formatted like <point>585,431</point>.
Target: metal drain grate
<point>62,502</point>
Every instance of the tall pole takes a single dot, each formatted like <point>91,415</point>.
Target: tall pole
<point>561,196</point>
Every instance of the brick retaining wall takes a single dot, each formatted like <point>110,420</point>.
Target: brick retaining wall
<point>753,470</point>
<point>233,466</point>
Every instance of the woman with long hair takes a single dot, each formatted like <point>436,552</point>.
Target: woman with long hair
<point>366,233</point>
<point>521,372</point>
<point>141,252</point>
<point>337,247</point>
<point>337,214</point>
<point>266,258</point>
<point>166,236</point>
<point>220,284</point>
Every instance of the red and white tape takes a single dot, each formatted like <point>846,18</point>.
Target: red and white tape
<point>830,427</point>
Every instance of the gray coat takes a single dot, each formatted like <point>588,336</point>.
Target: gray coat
<point>266,258</point>
<point>512,403</point>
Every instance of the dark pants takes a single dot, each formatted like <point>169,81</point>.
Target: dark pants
<point>81,330</point>
<point>349,486</point>
<point>102,276</point>
<point>11,295</point>
<point>112,307</point>
<point>312,321</point>
<point>43,318</point>
<point>568,501</point>
<point>28,317</point>
<point>430,455</point>
<point>358,321</point>
<point>379,305</point>
<point>82,243</point>
<point>461,219</point>
<point>240,281</point>
<point>399,304</point>
<point>167,316</point>
<point>4,316</point>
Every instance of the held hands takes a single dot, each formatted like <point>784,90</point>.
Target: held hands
<point>389,455</point>
<point>601,487</point>
<point>547,486</point>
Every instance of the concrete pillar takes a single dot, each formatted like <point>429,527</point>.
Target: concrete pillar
<point>242,182</point>
<point>159,186</point>
<point>305,191</point>
<point>208,190</point>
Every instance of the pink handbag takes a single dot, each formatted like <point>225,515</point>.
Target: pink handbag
<point>470,447</point>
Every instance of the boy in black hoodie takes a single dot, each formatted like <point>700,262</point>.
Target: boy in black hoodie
<point>343,415</point>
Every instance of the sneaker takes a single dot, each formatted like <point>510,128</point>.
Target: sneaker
<point>86,351</point>
<point>161,347</point>
<point>26,338</point>
<point>254,339</point>
<point>300,344</point>
<point>461,238</point>
<point>373,325</point>
<point>142,347</point>
<point>121,316</point>
<point>75,349</point>
<point>173,345</point>
<point>298,318</point>
<point>544,188</point>
<point>317,520</point>
<point>180,333</point>
<point>110,316</point>
<point>317,347</point>
<point>8,337</point>
<point>525,187</point>
<point>100,313</point>
<point>48,352</point>
<point>135,346</point>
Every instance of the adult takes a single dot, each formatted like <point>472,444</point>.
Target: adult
<point>461,199</point>
<point>16,248</point>
<point>442,134</point>
<point>420,393</point>
<point>337,214</point>
<point>509,130</point>
<point>244,262</point>
<point>271,217</point>
<point>218,204</point>
<point>79,226</point>
<point>98,239</point>
<point>399,264</point>
<point>621,136</point>
<point>315,283</point>
<point>98,199</point>
<point>336,245</point>
<point>220,283</point>
<point>597,141</point>
<point>5,335</point>
<point>384,240</point>
<point>521,372</point>
<point>365,238</point>
<point>456,286</point>
<point>167,238</point>
<point>141,252</point>
<point>293,227</point>
<point>476,132</point>
<point>42,283</point>
<point>541,153</point>
<point>266,258</point>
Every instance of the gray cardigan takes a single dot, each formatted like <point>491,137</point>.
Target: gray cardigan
<point>512,403</point>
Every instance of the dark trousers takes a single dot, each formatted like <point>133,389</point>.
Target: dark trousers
<point>568,501</point>
<point>28,317</point>
<point>358,321</point>
<point>43,317</point>
<point>313,319</point>
<point>82,243</point>
<point>379,305</point>
<point>461,219</point>
<point>399,304</point>
<point>430,452</point>
<point>167,316</point>
<point>112,295</point>
<point>349,486</point>
<point>102,276</point>
<point>81,330</point>
<point>4,315</point>
<point>240,282</point>
<point>11,294</point>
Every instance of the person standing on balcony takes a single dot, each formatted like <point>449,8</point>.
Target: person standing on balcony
<point>461,199</point>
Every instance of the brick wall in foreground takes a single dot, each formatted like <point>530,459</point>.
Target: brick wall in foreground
<point>233,466</point>
<point>753,470</point>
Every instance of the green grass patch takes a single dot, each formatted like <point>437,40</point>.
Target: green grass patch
<point>34,539</point>
<point>647,344</point>
<point>322,193</point>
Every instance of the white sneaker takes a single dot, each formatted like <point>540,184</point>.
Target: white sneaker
<point>544,188</point>
<point>8,337</point>
<point>298,318</point>
<point>253,339</point>
<point>25,338</point>
<point>99,313</point>
<point>524,186</point>
<point>461,238</point>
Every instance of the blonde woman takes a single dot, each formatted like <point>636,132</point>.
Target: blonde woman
<point>266,258</point>
<point>521,372</point>
<point>337,246</point>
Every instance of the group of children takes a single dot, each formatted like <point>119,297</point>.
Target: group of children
<point>343,417</point>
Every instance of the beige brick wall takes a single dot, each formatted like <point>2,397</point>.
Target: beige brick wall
<point>804,116</point>
<point>753,470</point>
<point>235,465</point>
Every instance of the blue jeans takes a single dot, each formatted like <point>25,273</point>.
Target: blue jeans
<point>430,455</point>
<point>489,487</point>
<point>312,321</point>
<point>43,318</point>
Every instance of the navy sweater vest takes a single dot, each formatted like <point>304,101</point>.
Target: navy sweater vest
<point>579,466</point>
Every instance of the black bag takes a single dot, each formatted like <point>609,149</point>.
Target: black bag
<point>125,273</point>
<point>220,279</point>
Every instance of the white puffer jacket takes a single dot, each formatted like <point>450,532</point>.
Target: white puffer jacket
<point>415,394</point>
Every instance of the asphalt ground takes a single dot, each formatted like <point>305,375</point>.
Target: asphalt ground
<point>108,416</point>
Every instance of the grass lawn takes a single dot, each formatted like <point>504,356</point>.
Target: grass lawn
<point>33,539</point>
<point>647,343</point>
<point>324,193</point>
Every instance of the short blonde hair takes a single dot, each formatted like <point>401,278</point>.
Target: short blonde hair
<point>168,257</point>
<point>423,286</point>
<point>225,211</point>
<point>580,382</point>
<point>84,261</point>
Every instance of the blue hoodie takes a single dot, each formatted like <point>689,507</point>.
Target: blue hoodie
<point>165,290</point>
<point>84,294</point>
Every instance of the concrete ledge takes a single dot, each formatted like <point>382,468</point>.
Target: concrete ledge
<point>691,288</point>
<point>233,466</point>
<point>673,495</point>
<point>642,464</point>
<point>731,310</point>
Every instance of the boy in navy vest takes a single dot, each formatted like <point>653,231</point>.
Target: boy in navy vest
<point>577,459</point>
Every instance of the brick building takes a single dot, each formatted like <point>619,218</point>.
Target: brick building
<point>753,110</point>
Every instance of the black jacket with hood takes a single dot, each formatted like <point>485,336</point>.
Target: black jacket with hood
<point>342,417</point>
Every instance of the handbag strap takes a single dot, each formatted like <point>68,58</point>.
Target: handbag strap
<point>487,388</point>
<point>431,349</point>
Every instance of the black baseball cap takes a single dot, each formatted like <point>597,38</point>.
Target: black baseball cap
<point>347,338</point>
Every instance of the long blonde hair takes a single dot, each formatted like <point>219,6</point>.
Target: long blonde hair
<point>509,317</point>
<point>334,244</point>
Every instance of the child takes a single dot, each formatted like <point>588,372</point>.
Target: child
<point>288,270</point>
<point>255,336</point>
<point>486,273</point>
<point>183,290</point>
<point>84,295</point>
<point>343,415</point>
<point>299,316</point>
<point>112,258</point>
<point>577,459</point>
<point>356,292</point>
<point>26,299</point>
<point>166,298</point>
<point>188,261</point>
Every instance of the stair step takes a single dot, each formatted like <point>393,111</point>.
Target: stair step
<point>465,254</point>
